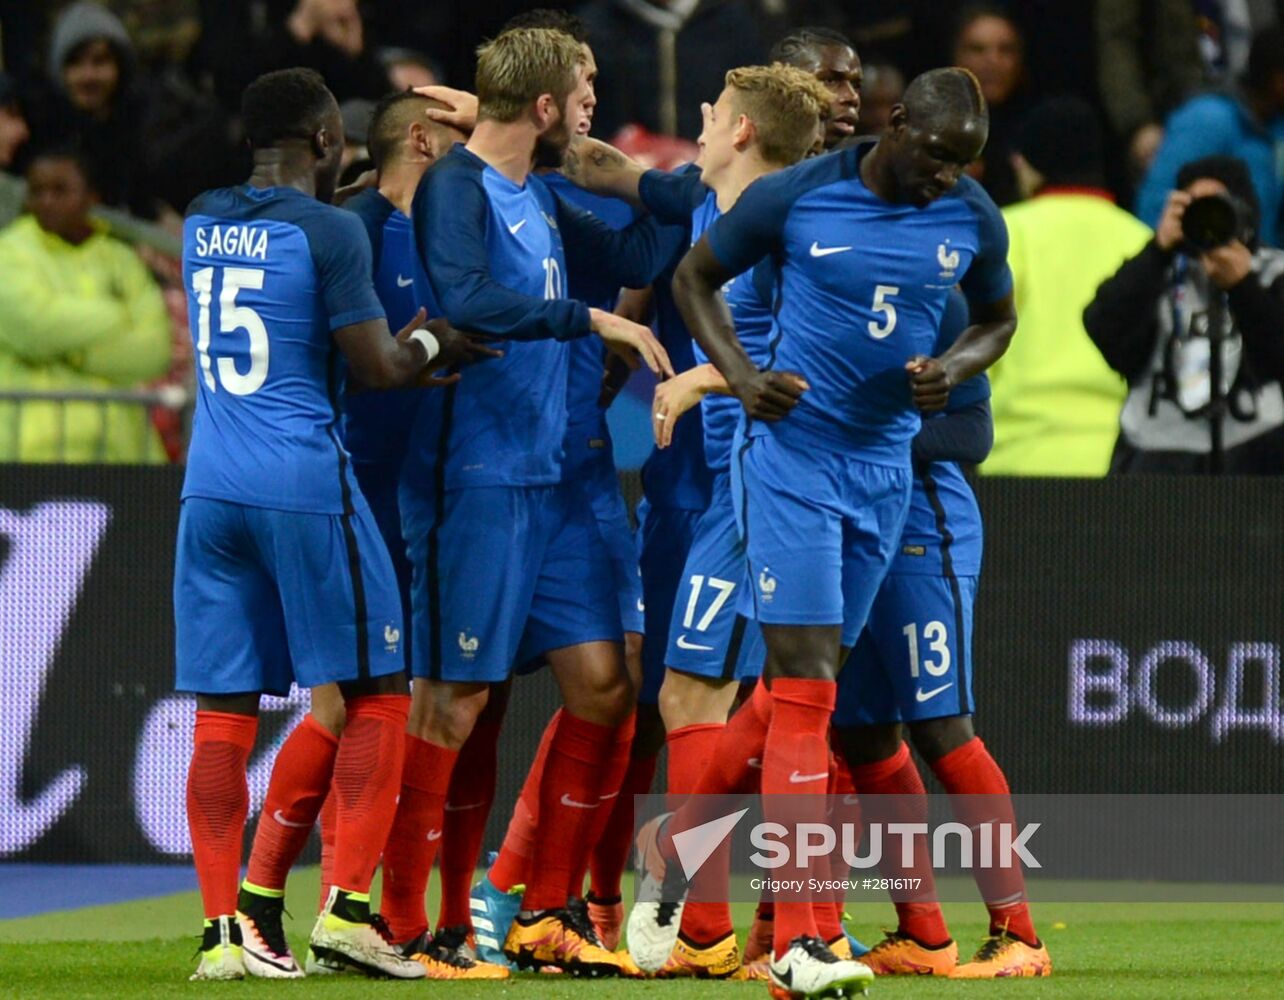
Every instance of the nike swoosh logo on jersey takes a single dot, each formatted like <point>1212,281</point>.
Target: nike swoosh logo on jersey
<point>404,282</point>
<point>285,822</point>
<point>516,226</point>
<point>568,801</point>
<point>802,779</point>
<point>755,763</point>
<point>921,696</point>
<point>451,808</point>
<point>434,835</point>
<point>818,251</point>
<point>683,644</point>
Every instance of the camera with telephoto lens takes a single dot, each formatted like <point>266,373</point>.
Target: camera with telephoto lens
<point>1214,220</point>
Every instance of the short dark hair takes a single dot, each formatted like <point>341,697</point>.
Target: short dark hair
<point>807,39</point>
<point>1265,57</point>
<point>549,17</point>
<point>1231,171</point>
<point>390,120</point>
<point>66,153</point>
<point>285,104</point>
<point>944,93</point>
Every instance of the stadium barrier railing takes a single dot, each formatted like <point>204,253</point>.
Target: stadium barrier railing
<point>126,416</point>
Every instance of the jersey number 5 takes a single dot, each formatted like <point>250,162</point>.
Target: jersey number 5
<point>231,318</point>
<point>881,305</point>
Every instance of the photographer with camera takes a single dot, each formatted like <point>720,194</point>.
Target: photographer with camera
<point>1195,323</point>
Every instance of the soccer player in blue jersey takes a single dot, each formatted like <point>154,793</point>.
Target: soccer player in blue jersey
<point>766,118</point>
<point>506,562</point>
<point>587,462</point>
<point>869,242</point>
<point>912,665</point>
<point>281,575</point>
<point>831,58</point>
<point>403,144</point>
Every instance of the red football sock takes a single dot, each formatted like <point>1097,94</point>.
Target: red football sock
<point>829,924</point>
<point>415,836</point>
<point>971,772</point>
<point>845,812</point>
<point>735,768</point>
<point>611,852</point>
<point>613,771</point>
<point>467,808</point>
<point>367,776</point>
<point>518,848</point>
<point>796,764</point>
<point>707,919</point>
<point>218,800</point>
<point>568,798</point>
<point>325,822</point>
<point>299,784</point>
<point>892,792</point>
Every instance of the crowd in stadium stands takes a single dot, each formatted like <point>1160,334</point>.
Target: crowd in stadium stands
<point>1092,106</point>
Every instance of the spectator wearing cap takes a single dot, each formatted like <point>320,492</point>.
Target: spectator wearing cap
<point>14,134</point>
<point>1055,401</point>
<point>90,103</point>
<point>1155,322</point>
<point>1246,122</point>
<point>79,312</point>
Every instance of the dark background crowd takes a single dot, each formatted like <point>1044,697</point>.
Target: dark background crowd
<point>150,88</point>
<point>1105,101</point>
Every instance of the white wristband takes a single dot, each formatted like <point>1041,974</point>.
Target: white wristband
<point>428,340</point>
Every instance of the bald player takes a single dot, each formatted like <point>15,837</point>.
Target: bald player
<point>869,241</point>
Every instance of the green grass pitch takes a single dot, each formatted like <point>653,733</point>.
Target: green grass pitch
<point>1146,951</point>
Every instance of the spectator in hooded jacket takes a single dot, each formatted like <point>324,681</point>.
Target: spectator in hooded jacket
<point>90,103</point>
<point>78,312</point>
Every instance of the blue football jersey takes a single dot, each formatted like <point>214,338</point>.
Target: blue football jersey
<point>270,273</point>
<point>497,254</point>
<point>943,533</point>
<point>862,287</point>
<point>587,434</point>
<point>376,425</point>
<point>748,297</point>
<point>678,477</point>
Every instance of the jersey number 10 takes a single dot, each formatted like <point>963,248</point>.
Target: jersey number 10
<point>231,318</point>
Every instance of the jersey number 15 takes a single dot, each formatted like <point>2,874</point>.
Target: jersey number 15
<point>231,318</point>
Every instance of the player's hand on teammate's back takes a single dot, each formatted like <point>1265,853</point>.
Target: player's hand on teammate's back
<point>930,383</point>
<point>459,347</point>
<point>453,348</point>
<point>461,106</point>
<point>770,395</point>
<point>631,341</point>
